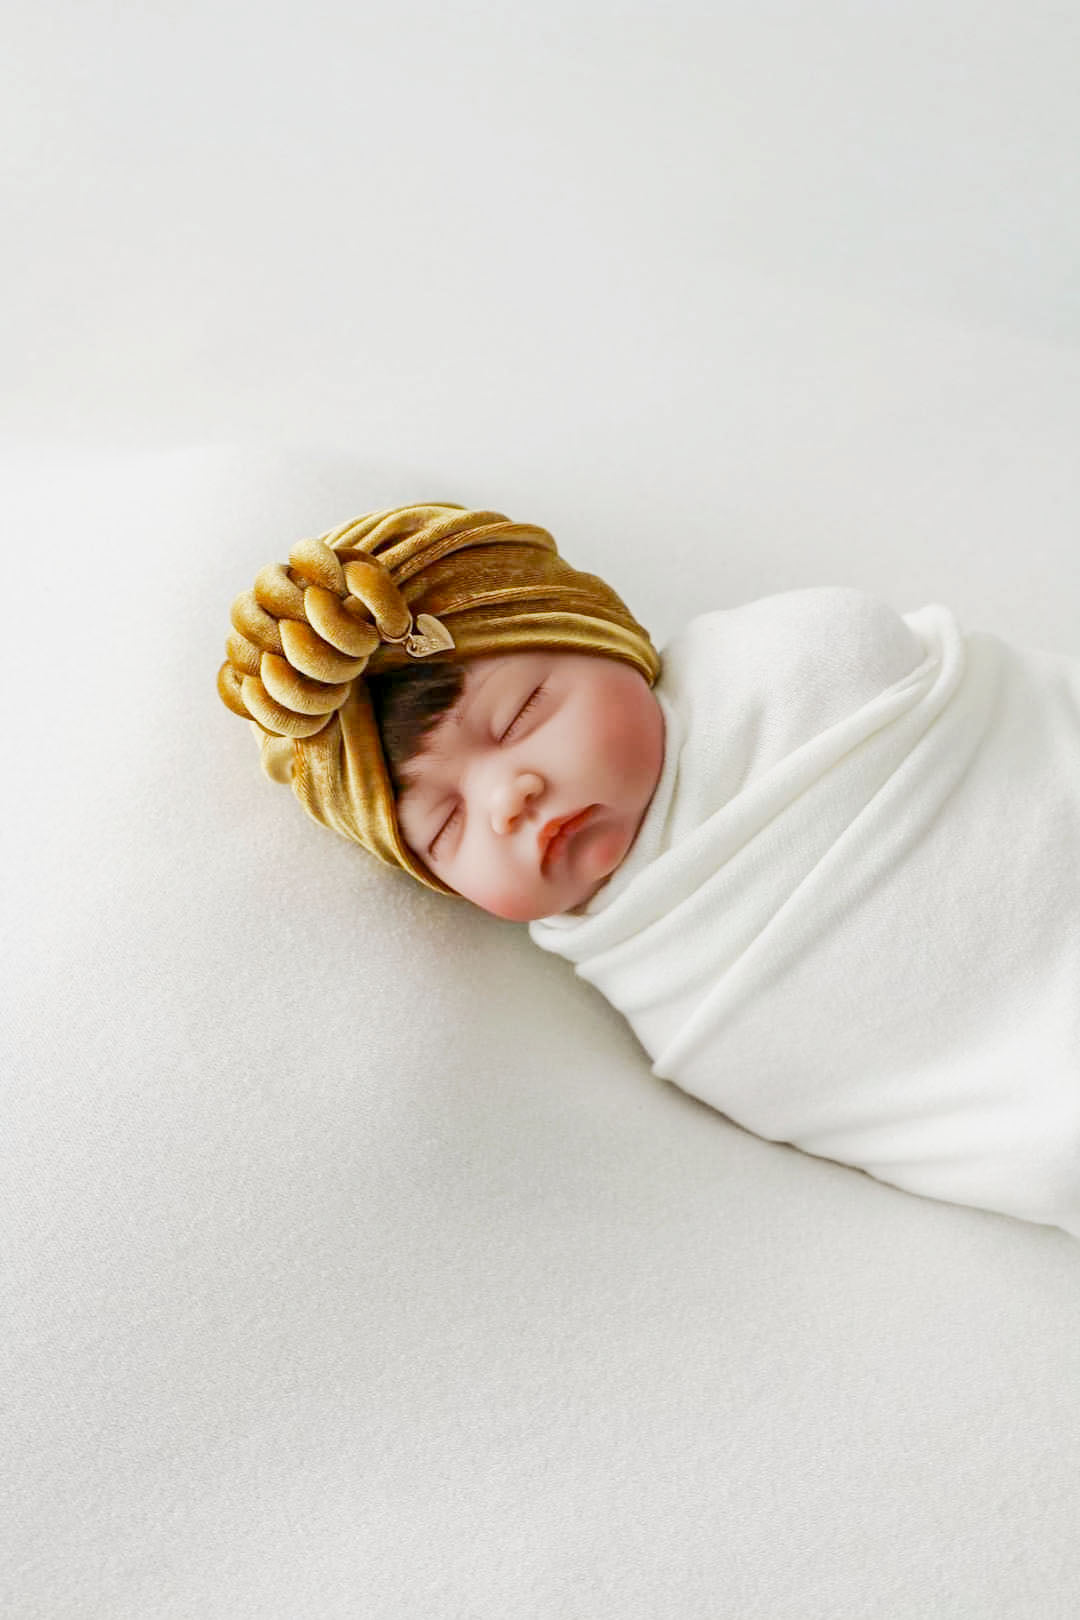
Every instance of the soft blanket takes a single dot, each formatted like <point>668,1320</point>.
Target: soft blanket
<point>850,920</point>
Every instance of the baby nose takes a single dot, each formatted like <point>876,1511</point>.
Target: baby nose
<point>512,797</point>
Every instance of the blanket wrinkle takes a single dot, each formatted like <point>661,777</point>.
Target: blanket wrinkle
<point>850,919</point>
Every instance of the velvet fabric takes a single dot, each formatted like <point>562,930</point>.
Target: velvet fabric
<point>359,601</point>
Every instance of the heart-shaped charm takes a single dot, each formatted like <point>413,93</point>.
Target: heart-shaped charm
<point>429,637</point>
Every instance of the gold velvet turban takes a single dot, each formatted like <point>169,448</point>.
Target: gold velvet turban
<point>428,581</point>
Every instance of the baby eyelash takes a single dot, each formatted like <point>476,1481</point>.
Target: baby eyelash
<point>449,820</point>
<point>525,707</point>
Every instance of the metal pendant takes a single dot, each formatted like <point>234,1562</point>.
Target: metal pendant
<point>428,637</point>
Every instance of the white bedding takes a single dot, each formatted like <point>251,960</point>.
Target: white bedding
<point>851,917</point>
<point>313,1308</point>
<point>351,1260</point>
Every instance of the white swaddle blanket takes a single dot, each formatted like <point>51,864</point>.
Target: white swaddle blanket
<point>850,919</point>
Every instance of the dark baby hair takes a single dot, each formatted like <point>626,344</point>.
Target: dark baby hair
<point>408,704</point>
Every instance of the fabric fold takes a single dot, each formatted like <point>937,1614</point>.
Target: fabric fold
<point>851,917</point>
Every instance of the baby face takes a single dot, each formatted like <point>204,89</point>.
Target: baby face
<point>535,738</point>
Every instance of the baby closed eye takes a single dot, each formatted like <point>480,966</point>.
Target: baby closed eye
<point>457,810</point>
<point>526,706</point>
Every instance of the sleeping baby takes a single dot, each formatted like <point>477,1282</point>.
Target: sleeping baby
<point>824,857</point>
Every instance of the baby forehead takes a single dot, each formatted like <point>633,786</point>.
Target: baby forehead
<point>479,668</point>
<point>493,671</point>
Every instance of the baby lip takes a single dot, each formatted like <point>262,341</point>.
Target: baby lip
<point>550,829</point>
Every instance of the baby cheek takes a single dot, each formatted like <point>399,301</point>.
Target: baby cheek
<point>628,739</point>
<point>616,741</point>
<point>605,846</point>
<point>509,901</point>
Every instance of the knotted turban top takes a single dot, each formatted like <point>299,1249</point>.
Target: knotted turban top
<point>438,582</point>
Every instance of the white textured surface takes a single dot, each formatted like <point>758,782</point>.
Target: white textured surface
<point>313,1305</point>
<point>849,918</point>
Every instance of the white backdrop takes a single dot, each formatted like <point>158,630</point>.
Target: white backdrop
<point>804,280</point>
<point>307,1313</point>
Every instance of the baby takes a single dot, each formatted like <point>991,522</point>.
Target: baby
<point>823,856</point>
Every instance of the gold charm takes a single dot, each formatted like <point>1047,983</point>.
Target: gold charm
<point>429,637</point>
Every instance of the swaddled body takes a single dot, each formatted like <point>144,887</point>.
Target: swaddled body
<point>850,919</point>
